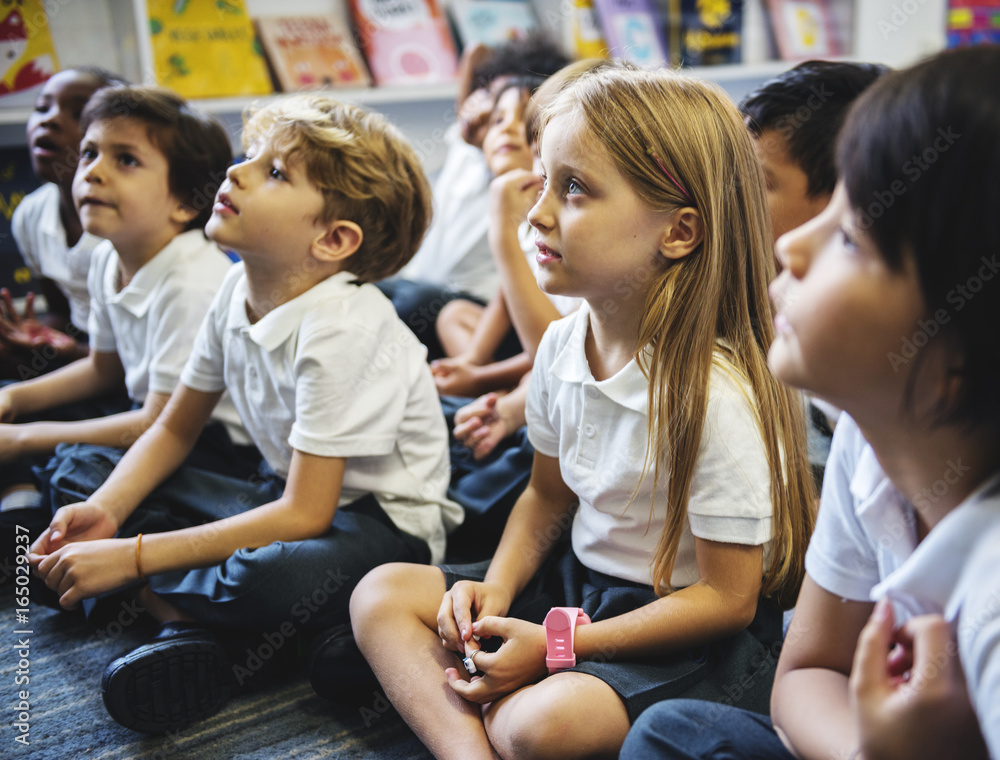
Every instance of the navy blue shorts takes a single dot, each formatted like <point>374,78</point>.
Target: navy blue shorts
<point>738,670</point>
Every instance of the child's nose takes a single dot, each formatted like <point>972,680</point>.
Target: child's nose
<point>234,172</point>
<point>538,216</point>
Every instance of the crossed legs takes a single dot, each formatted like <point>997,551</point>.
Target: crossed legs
<point>394,615</point>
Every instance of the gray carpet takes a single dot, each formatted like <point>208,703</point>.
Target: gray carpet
<point>68,720</point>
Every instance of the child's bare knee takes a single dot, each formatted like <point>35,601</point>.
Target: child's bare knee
<point>379,592</point>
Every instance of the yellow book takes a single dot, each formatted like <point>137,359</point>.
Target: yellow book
<point>206,49</point>
<point>588,41</point>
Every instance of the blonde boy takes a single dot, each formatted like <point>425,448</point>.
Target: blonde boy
<point>333,389</point>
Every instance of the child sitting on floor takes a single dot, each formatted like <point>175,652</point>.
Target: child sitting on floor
<point>893,650</point>
<point>146,162</point>
<point>49,234</point>
<point>334,390</point>
<point>659,436</point>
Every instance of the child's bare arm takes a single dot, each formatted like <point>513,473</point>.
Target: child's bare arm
<point>810,701</point>
<point>94,374</point>
<point>84,569</point>
<point>157,453</point>
<point>117,430</point>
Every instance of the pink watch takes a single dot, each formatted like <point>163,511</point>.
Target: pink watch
<point>560,625</point>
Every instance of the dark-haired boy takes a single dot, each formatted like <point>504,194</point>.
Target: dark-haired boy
<point>794,119</point>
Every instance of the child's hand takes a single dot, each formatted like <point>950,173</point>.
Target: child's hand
<point>455,377</point>
<point>512,195</point>
<point>27,331</point>
<point>519,661</point>
<point>463,602</point>
<point>85,569</point>
<point>74,522</point>
<point>912,703</point>
<point>480,426</point>
<point>11,443</point>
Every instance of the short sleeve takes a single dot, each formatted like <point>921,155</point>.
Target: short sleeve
<point>841,557</point>
<point>979,636</point>
<point>181,308</point>
<point>204,370</point>
<point>99,326</point>
<point>730,494</point>
<point>352,383</point>
<point>541,432</point>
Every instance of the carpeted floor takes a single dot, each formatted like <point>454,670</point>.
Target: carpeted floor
<point>66,718</point>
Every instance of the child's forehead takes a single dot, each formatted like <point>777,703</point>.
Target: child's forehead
<point>127,130</point>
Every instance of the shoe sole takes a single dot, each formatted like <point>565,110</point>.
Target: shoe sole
<point>166,685</point>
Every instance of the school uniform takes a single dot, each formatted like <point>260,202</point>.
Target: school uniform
<point>598,431</point>
<point>332,373</point>
<point>865,547</point>
<point>41,238</point>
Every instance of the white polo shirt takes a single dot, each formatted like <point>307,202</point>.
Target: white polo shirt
<point>152,322</point>
<point>865,547</point>
<point>455,253</point>
<point>41,238</point>
<point>598,430</point>
<point>335,373</point>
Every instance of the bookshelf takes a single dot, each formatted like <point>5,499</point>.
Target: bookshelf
<point>115,34</point>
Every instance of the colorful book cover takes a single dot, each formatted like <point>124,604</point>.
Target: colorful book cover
<point>633,31</point>
<point>973,22</point>
<point>588,40</point>
<point>206,49</point>
<point>405,41</point>
<point>27,55</point>
<point>491,22</point>
<point>17,179</point>
<point>310,52</point>
<point>706,33</point>
<point>803,29</point>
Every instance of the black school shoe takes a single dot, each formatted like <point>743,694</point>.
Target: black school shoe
<point>337,669</point>
<point>183,675</point>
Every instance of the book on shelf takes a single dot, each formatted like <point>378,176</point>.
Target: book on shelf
<point>206,49</point>
<point>17,179</point>
<point>491,22</point>
<point>405,41</point>
<point>310,52</point>
<point>973,22</point>
<point>633,31</point>
<point>705,34</point>
<point>588,39</point>
<point>27,54</point>
<point>803,29</point>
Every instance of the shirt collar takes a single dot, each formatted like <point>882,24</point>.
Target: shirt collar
<point>280,323</point>
<point>928,580</point>
<point>140,293</point>
<point>627,388</point>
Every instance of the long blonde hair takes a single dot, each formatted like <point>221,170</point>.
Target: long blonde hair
<point>709,306</point>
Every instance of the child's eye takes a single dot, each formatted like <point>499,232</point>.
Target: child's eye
<point>127,159</point>
<point>87,154</point>
<point>276,173</point>
<point>573,187</point>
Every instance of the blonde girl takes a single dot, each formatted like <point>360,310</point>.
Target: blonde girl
<point>661,439</point>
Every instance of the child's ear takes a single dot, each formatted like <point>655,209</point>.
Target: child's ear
<point>183,214</point>
<point>684,233</point>
<point>340,239</point>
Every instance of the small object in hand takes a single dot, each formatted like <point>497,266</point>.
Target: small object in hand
<point>470,662</point>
